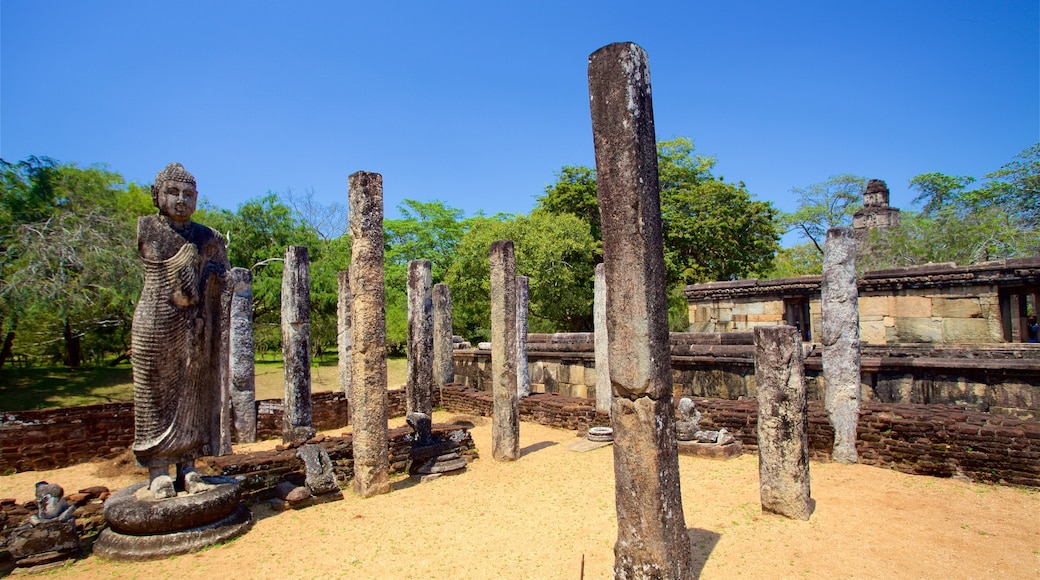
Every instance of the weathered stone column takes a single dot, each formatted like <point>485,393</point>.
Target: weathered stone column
<point>840,338</point>
<point>368,335</point>
<point>783,422</point>
<point>343,339</point>
<point>419,396</point>
<point>243,356</point>
<point>599,320</point>
<point>296,345</point>
<point>443,348</point>
<point>652,541</point>
<point>523,374</point>
<point>505,418</point>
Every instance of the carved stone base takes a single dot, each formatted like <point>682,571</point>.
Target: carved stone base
<point>711,450</point>
<point>144,528</point>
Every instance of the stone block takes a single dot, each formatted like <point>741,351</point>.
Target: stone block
<point>923,330</point>
<point>875,306</point>
<point>965,331</point>
<point>872,332</point>
<point>774,307</point>
<point>956,308</point>
<point>911,307</point>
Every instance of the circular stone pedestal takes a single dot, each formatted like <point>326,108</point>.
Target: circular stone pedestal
<point>600,434</point>
<point>144,528</point>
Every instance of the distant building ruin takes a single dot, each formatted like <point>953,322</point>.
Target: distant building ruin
<point>875,214</point>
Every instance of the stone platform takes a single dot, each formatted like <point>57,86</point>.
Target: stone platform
<point>711,450</point>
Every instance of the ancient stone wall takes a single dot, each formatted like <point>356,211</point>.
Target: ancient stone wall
<point>937,440</point>
<point>53,438</point>
<point>1002,378</point>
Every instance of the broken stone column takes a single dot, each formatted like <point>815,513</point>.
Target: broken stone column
<point>505,419</point>
<point>419,395</point>
<point>343,344</point>
<point>840,338</point>
<point>296,345</point>
<point>783,422</point>
<point>243,356</point>
<point>523,374</point>
<point>599,320</point>
<point>368,335</point>
<point>652,541</point>
<point>443,347</point>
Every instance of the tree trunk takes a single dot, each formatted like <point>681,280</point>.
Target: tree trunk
<point>6,351</point>
<point>73,350</point>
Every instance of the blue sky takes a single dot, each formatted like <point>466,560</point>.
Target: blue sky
<point>477,104</point>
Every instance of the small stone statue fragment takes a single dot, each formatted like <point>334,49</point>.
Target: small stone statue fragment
<point>51,504</point>
<point>688,427</point>
<point>321,479</point>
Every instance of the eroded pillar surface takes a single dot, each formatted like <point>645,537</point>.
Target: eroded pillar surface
<point>523,375</point>
<point>343,338</point>
<point>243,356</point>
<point>296,345</point>
<point>840,338</point>
<point>419,388</point>
<point>783,423</point>
<point>652,541</point>
<point>443,348</point>
<point>368,335</point>
<point>599,318</point>
<point>505,418</point>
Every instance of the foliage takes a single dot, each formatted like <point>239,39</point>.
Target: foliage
<point>574,193</point>
<point>67,258</point>
<point>825,205</point>
<point>799,260</point>
<point>555,251</point>
<point>425,231</point>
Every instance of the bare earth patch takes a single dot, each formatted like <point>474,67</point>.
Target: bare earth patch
<point>539,516</point>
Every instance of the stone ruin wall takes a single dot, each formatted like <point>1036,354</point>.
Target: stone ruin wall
<point>939,440</point>
<point>956,315</point>
<point>1004,379</point>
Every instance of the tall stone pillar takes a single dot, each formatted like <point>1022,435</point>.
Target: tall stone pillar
<point>652,540</point>
<point>343,339</point>
<point>443,348</point>
<point>243,356</point>
<point>783,422</point>
<point>296,345</point>
<point>599,320</point>
<point>505,418</point>
<point>840,338</point>
<point>523,374</point>
<point>368,335</point>
<point>420,338</point>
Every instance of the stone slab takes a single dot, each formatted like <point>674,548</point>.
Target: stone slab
<point>710,450</point>
<point>583,445</point>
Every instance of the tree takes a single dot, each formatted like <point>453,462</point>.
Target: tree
<point>574,193</point>
<point>68,257</point>
<point>798,260</point>
<point>1015,187</point>
<point>555,251</point>
<point>825,205</point>
<point>939,191</point>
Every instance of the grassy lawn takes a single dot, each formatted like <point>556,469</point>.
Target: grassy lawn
<point>50,387</point>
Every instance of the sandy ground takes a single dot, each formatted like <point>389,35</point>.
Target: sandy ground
<point>540,516</point>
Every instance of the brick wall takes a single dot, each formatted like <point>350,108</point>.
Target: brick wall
<point>938,440</point>
<point>53,438</point>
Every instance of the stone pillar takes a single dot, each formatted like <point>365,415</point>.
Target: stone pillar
<point>243,356</point>
<point>652,541</point>
<point>840,338</point>
<point>343,342</point>
<point>296,345</point>
<point>523,374</point>
<point>505,418</point>
<point>419,396</point>
<point>783,422</point>
<point>599,318</point>
<point>368,400</point>
<point>443,348</point>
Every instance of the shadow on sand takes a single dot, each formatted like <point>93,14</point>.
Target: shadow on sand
<point>702,542</point>
<point>536,447</point>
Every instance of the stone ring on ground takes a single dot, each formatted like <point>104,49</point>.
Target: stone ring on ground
<point>600,434</point>
<point>129,514</point>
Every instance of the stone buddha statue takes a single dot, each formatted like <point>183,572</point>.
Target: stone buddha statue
<point>179,337</point>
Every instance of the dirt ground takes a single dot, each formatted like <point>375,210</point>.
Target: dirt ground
<point>541,516</point>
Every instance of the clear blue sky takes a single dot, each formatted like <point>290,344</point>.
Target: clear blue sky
<point>477,104</point>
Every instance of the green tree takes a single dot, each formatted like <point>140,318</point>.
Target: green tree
<point>555,251</point>
<point>574,192</point>
<point>68,258</point>
<point>825,205</point>
<point>798,260</point>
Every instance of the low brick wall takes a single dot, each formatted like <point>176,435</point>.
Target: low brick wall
<point>937,440</point>
<point>261,471</point>
<point>53,438</point>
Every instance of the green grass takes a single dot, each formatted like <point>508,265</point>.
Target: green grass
<point>52,387</point>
